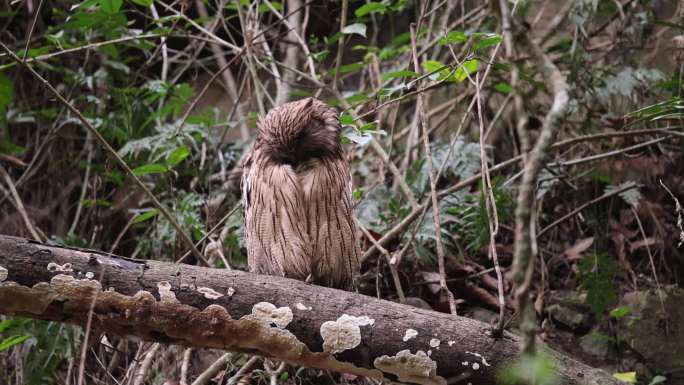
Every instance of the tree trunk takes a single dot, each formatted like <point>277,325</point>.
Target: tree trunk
<point>273,317</point>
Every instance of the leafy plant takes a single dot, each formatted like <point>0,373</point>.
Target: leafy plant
<point>470,215</point>
<point>597,273</point>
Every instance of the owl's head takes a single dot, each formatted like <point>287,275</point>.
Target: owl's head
<point>298,131</point>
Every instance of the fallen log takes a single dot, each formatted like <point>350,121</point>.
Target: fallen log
<point>274,317</point>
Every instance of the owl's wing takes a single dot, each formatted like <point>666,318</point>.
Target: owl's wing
<point>277,243</point>
<point>327,191</point>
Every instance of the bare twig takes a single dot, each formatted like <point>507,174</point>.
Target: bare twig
<point>185,366</point>
<point>86,335</point>
<point>30,34</point>
<point>392,263</point>
<point>220,57</point>
<point>210,34</point>
<point>19,205</point>
<point>213,230</point>
<point>294,32</point>
<point>246,368</point>
<point>204,90</point>
<point>214,368</point>
<point>607,154</point>
<point>291,57</point>
<point>582,207</point>
<point>145,365</point>
<point>650,258</point>
<point>82,48</point>
<point>492,215</point>
<point>248,34</point>
<point>84,186</point>
<point>340,43</point>
<point>433,182</point>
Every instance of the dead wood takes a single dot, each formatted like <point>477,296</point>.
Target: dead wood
<point>274,317</point>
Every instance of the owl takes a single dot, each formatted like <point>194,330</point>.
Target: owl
<point>296,195</point>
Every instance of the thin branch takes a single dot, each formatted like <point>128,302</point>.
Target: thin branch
<point>145,365</point>
<point>84,186</point>
<point>200,28</point>
<point>213,369</point>
<point>213,230</point>
<point>433,182</point>
<point>650,259</point>
<point>244,370</point>
<point>185,366</point>
<point>490,205</point>
<point>525,243</point>
<point>86,335</point>
<point>204,90</point>
<point>582,207</point>
<point>392,264</point>
<point>340,43</point>
<point>20,206</point>
<point>30,34</point>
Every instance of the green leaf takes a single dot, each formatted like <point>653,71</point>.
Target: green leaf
<point>8,147</point>
<point>87,203</point>
<point>33,52</point>
<point>399,74</point>
<point>356,28</point>
<point>361,97</point>
<point>657,380</point>
<point>620,312</point>
<point>488,40</point>
<point>346,120</point>
<point>12,341</point>
<point>437,69</point>
<point>151,168</point>
<point>263,8</point>
<point>144,3</point>
<point>6,95</point>
<point>467,68</point>
<point>145,216</point>
<point>504,88</point>
<point>440,71</point>
<point>347,68</point>
<point>629,377</point>
<point>368,127</point>
<point>370,7</point>
<point>101,20</point>
<point>177,156</point>
<point>356,194</point>
<point>111,6</point>
<point>453,37</point>
<point>433,66</point>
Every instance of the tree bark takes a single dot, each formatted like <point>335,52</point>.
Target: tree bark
<point>273,317</point>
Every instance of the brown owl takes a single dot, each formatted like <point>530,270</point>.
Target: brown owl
<point>296,193</point>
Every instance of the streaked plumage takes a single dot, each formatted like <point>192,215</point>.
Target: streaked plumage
<point>296,193</point>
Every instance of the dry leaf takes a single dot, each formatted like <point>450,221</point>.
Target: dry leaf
<point>574,253</point>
